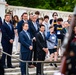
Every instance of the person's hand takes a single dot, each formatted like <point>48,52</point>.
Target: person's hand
<point>46,50</point>
<point>34,39</point>
<point>30,47</point>
<point>55,46</point>
<point>11,41</point>
<point>43,49</point>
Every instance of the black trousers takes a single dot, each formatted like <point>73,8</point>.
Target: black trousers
<point>40,57</point>
<point>25,56</point>
<point>8,49</point>
<point>1,68</point>
<point>34,52</point>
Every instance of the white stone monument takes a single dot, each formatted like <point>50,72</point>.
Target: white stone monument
<point>2,8</point>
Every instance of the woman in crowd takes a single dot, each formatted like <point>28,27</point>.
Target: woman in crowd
<point>52,44</point>
<point>15,21</point>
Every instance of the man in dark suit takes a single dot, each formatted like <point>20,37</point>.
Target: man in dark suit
<point>7,40</point>
<point>34,29</point>
<point>41,47</point>
<point>1,68</point>
<point>26,47</point>
<point>20,23</point>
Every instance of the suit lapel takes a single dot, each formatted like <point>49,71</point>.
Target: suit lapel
<point>8,26</point>
<point>42,36</point>
<point>33,26</point>
<point>25,34</point>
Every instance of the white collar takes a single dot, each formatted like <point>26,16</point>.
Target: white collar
<point>34,22</point>
<point>7,22</point>
<point>25,20</point>
<point>41,32</point>
<point>24,30</point>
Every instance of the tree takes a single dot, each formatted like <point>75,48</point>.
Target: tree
<point>63,5</point>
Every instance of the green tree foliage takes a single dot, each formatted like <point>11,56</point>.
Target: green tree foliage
<point>63,5</point>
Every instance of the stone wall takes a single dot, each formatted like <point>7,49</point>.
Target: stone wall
<point>17,10</point>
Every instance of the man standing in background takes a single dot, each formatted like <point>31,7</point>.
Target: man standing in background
<point>7,40</point>
<point>34,29</point>
<point>20,23</point>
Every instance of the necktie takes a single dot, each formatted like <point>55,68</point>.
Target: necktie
<point>10,26</point>
<point>35,25</point>
<point>43,35</point>
<point>28,35</point>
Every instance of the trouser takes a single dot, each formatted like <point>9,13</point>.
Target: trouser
<point>25,56</point>
<point>40,58</point>
<point>1,68</point>
<point>8,49</point>
<point>34,52</point>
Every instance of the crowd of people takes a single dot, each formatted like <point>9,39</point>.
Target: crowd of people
<point>34,36</point>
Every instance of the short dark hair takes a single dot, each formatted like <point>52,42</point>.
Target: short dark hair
<point>24,23</point>
<point>41,18</point>
<point>46,16</point>
<point>24,13</point>
<point>59,19</point>
<point>37,13</point>
<point>54,13</point>
<point>7,15</point>
<point>42,25</point>
<point>51,27</point>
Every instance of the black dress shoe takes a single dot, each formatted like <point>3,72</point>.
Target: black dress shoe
<point>51,64</point>
<point>55,65</point>
<point>31,66</point>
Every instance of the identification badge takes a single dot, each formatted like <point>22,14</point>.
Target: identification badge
<point>53,37</point>
<point>58,32</point>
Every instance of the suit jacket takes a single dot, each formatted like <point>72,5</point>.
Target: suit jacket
<point>41,43</point>
<point>25,41</point>
<point>7,33</point>
<point>32,30</point>
<point>19,26</point>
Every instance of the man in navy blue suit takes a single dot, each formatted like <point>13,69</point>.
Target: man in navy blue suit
<point>7,40</point>
<point>20,23</point>
<point>26,47</point>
